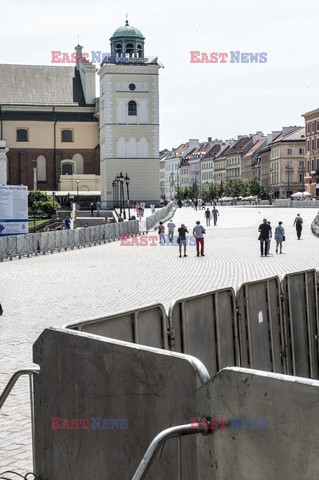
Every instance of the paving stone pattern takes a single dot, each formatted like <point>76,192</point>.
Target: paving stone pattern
<point>50,290</point>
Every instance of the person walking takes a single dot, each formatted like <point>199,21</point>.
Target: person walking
<point>279,236</point>
<point>298,222</point>
<point>181,240</point>
<point>171,226</point>
<point>67,223</point>
<point>265,233</point>
<point>98,208</point>
<point>215,214</point>
<point>198,232</point>
<point>161,232</point>
<point>208,217</point>
<point>268,240</point>
<point>92,208</point>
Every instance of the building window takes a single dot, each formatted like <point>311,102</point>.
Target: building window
<point>318,144</point>
<point>22,135</point>
<point>132,109</point>
<point>301,151</point>
<point>308,128</point>
<point>289,151</point>
<point>308,145</point>
<point>67,136</point>
<point>312,127</point>
<point>317,126</point>
<point>67,168</point>
<point>312,145</point>
<point>42,168</point>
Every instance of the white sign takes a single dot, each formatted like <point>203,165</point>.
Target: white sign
<point>13,210</point>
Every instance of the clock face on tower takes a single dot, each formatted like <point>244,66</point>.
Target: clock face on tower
<point>132,86</point>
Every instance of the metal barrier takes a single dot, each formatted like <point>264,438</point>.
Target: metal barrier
<point>159,440</point>
<point>125,393</point>
<point>261,326</point>
<point>8,388</point>
<point>272,429</point>
<point>36,243</point>
<point>300,300</point>
<point>162,214</point>
<point>146,325</point>
<point>206,326</point>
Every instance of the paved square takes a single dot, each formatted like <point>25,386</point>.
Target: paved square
<point>50,290</point>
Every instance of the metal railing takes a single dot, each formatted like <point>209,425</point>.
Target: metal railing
<point>8,388</point>
<point>172,432</point>
<point>43,242</point>
<point>160,215</point>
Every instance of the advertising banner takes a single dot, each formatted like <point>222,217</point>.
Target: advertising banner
<point>13,210</point>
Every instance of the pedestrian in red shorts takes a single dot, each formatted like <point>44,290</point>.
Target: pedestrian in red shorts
<point>198,232</point>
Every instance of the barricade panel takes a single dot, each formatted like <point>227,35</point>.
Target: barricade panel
<point>205,326</point>
<point>127,393</point>
<point>146,326</point>
<point>301,321</point>
<point>260,322</point>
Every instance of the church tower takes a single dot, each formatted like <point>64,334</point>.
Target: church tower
<point>129,117</point>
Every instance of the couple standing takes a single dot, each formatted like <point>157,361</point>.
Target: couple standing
<point>198,232</point>
<point>265,234</point>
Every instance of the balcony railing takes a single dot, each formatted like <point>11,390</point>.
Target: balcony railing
<point>113,58</point>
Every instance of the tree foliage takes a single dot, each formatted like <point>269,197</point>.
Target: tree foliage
<point>39,203</point>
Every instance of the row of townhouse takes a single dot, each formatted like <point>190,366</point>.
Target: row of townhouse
<point>284,161</point>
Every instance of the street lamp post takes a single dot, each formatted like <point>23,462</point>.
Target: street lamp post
<point>127,181</point>
<point>34,211</point>
<point>172,185</point>
<point>289,168</point>
<point>117,199</point>
<point>122,206</point>
<point>77,191</point>
<point>114,185</point>
<point>35,166</point>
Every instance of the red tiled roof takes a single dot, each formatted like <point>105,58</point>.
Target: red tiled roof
<point>239,145</point>
<point>212,152</point>
<point>255,147</point>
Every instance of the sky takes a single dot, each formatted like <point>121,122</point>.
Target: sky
<point>197,100</point>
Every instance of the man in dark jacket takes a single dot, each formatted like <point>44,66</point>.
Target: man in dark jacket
<point>265,233</point>
<point>298,222</point>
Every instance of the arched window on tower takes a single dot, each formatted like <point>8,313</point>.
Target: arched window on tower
<point>129,49</point>
<point>132,108</point>
<point>118,48</point>
<point>139,51</point>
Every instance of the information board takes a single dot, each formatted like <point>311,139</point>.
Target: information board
<point>13,210</point>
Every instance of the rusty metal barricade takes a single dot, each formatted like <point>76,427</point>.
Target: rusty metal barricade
<point>261,326</point>
<point>206,326</point>
<point>300,300</point>
<point>147,325</point>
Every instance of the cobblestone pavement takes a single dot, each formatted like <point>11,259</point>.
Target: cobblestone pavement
<point>57,288</point>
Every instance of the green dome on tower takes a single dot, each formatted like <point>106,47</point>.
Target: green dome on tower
<point>127,31</point>
<point>128,40</point>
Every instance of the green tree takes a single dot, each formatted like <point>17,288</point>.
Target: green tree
<point>40,203</point>
<point>254,187</point>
